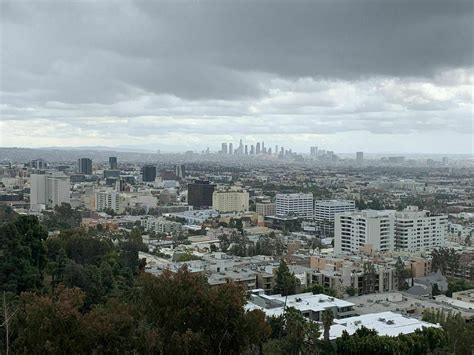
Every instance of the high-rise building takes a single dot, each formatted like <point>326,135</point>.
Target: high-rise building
<point>180,171</point>
<point>113,163</point>
<point>417,230</point>
<point>276,149</point>
<point>313,151</point>
<point>297,204</point>
<point>84,166</point>
<point>409,230</point>
<point>230,201</point>
<point>252,149</point>
<point>148,173</point>
<point>325,212</point>
<point>257,151</point>
<point>224,149</point>
<point>240,150</point>
<point>38,164</point>
<point>50,190</point>
<point>200,194</point>
<point>355,230</point>
<point>360,157</point>
<point>246,150</point>
<point>231,149</point>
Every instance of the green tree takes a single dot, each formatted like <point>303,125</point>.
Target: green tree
<point>286,282</point>
<point>22,254</point>
<point>327,318</point>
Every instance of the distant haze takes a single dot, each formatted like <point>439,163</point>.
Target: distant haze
<point>344,75</point>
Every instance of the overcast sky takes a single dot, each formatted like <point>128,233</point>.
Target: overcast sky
<point>376,76</point>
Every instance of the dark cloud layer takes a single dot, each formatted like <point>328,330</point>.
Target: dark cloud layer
<point>373,65</point>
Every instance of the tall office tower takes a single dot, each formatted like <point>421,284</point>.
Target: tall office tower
<point>252,149</point>
<point>282,151</point>
<point>264,150</point>
<point>230,201</point>
<point>354,230</point>
<point>231,149</point>
<point>85,166</point>
<point>148,173</point>
<point>200,194</point>
<point>224,149</point>
<point>419,230</point>
<point>49,190</point>
<point>325,213</point>
<point>180,171</point>
<point>38,164</point>
<point>269,151</point>
<point>263,147</point>
<point>313,151</point>
<point>241,147</point>
<point>276,149</point>
<point>360,157</point>
<point>113,163</point>
<point>258,148</point>
<point>297,204</point>
<point>246,149</point>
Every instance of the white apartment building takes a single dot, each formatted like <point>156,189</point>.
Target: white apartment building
<point>297,204</point>
<point>265,208</point>
<point>354,230</point>
<point>410,230</point>
<point>419,231</point>
<point>161,225</point>
<point>325,212</point>
<point>49,190</point>
<point>230,201</point>
<point>108,199</point>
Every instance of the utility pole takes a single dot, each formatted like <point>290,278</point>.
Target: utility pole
<point>6,324</point>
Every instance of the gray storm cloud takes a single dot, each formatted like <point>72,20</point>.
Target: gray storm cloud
<point>165,68</point>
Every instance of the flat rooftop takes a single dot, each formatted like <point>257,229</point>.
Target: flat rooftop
<point>385,323</point>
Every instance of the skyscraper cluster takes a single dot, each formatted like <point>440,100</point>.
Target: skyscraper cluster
<point>254,149</point>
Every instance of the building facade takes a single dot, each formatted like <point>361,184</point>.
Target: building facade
<point>325,213</point>
<point>418,230</point>
<point>84,166</point>
<point>230,201</point>
<point>148,173</point>
<point>265,208</point>
<point>200,194</point>
<point>355,230</point>
<point>298,204</point>
<point>50,190</point>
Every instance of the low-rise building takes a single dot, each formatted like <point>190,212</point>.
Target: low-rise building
<point>310,305</point>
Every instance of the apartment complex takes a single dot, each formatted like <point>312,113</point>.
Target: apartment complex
<point>108,200</point>
<point>297,204</point>
<point>355,230</point>
<point>418,230</point>
<point>409,230</point>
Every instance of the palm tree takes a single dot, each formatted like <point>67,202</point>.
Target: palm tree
<point>327,318</point>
